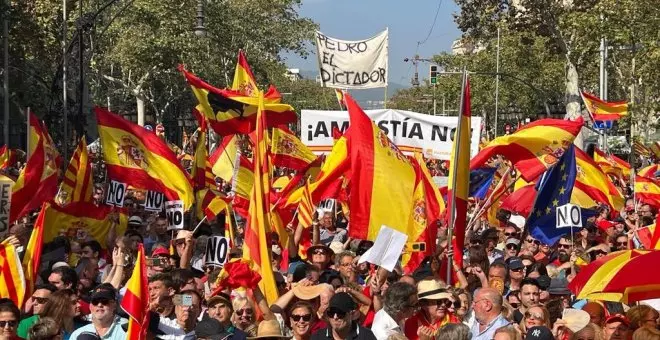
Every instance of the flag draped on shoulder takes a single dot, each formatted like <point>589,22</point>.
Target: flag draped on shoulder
<point>223,158</point>
<point>288,151</point>
<point>32,256</point>
<point>555,190</point>
<point>534,148</point>
<point>136,299</point>
<point>77,183</point>
<point>37,182</point>
<point>601,110</point>
<point>12,279</point>
<point>382,178</point>
<point>139,158</point>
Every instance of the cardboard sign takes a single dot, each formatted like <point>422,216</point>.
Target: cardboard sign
<point>217,248</point>
<point>174,213</point>
<point>568,216</point>
<point>115,194</point>
<point>154,201</point>
<point>5,203</point>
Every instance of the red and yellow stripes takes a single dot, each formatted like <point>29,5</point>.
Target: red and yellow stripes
<point>649,171</point>
<point>288,151</point>
<point>136,299</point>
<point>591,180</point>
<point>223,158</point>
<point>306,208</point>
<point>647,190</point>
<point>37,182</point>
<point>382,178</point>
<point>611,164</point>
<point>601,110</point>
<point>77,183</point>
<point>32,256</point>
<point>137,157</point>
<point>95,220</point>
<point>242,184</point>
<point>534,148</point>
<point>7,157</point>
<point>11,274</point>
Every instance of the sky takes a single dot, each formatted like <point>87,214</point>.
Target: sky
<point>408,21</point>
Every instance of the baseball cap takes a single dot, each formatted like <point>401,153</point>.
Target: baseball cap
<point>135,221</point>
<point>160,251</point>
<point>220,298</point>
<point>342,302</point>
<point>104,292</point>
<point>604,225</point>
<point>515,263</point>
<point>539,333</point>
<point>618,317</point>
<point>512,240</point>
<point>209,328</point>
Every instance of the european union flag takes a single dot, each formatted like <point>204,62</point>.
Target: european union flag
<point>554,191</point>
<point>480,180</point>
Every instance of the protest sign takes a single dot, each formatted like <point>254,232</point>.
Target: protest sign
<point>174,213</point>
<point>154,201</point>
<point>6,185</point>
<point>217,248</point>
<point>115,194</point>
<point>387,248</point>
<point>360,64</point>
<point>409,131</point>
<point>569,216</point>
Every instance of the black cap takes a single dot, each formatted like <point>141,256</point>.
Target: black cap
<point>343,302</point>
<point>104,291</point>
<point>88,336</point>
<point>539,333</point>
<point>544,281</point>
<point>209,328</point>
<point>515,263</point>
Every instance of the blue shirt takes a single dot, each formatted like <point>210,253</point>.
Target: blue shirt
<point>114,333</point>
<point>489,331</point>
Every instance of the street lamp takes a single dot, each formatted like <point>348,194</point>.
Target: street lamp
<point>200,30</point>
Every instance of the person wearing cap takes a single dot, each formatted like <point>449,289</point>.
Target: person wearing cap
<point>487,305</point>
<point>617,327</point>
<point>558,290</point>
<point>434,302</point>
<point>542,333</point>
<point>160,261</point>
<point>210,329</point>
<point>105,321</point>
<point>320,256</point>
<point>400,303</point>
<point>269,330</point>
<point>221,310</point>
<point>511,248</point>
<point>516,273</point>
<point>340,316</point>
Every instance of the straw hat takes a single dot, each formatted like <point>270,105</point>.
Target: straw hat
<point>431,290</point>
<point>310,292</point>
<point>269,329</point>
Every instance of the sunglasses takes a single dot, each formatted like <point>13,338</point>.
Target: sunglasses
<point>514,305</point>
<point>622,243</point>
<point>319,252</point>
<point>532,316</point>
<point>511,246</point>
<point>102,301</point>
<point>335,314</point>
<point>439,303</point>
<point>247,311</point>
<point>11,324</point>
<point>510,234</point>
<point>564,246</point>
<point>305,317</point>
<point>179,242</point>
<point>519,270</point>
<point>537,242</point>
<point>40,300</point>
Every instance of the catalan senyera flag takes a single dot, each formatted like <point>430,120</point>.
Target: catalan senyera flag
<point>375,162</point>
<point>12,279</point>
<point>223,158</point>
<point>534,148</point>
<point>306,208</point>
<point>94,220</point>
<point>139,158</point>
<point>32,256</point>
<point>611,164</point>
<point>242,185</point>
<point>202,174</point>
<point>647,190</point>
<point>641,149</point>
<point>7,157</point>
<point>288,151</point>
<point>649,171</point>
<point>601,110</point>
<point>136,299</point>
<point>257,244</point>
<point>37,182</point>
<point>592,181</point>
<point>459,172</point>
<point>77,183</point>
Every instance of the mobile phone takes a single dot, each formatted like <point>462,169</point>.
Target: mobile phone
<point>153,262</point>
<point>182,300</point>
<point>416,246</point>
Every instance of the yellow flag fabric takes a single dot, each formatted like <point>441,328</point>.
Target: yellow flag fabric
<point>81,218</point>
<point>288,151</point>
<point>12,279</point>
<point>77,183</point>
<point>223,158</point>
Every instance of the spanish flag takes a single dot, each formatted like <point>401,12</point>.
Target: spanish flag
<point>32,256</point>
<point>201,173</point>
<point>382,178</point>
<point>288,151</point>
<point>136,299</point>
<point>223,158</point>
<point>242,185</point>
<point>204,197</point>
<point>496,197</point>
<point>601,110</point>
<point>591,180</point>
<point>611,164</point>
<point>77,183</point>
<point>37,182</point>
<point>96,221</point>
<point>534,148</point>
<point>340,99</point>
<point>647,190</point>
<point>138,157</point>
<point>459,172</point>
<point>7,157</point>
<point>649,171</point>
<point>655,232</point>
<point>216,206</point>
<point>257,244</point>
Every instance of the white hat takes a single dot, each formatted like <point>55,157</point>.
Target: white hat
<point>518,220</point>
<point>135,220</point>
<point>59,264</point>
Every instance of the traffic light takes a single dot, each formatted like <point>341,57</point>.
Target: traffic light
<point>434,74</point>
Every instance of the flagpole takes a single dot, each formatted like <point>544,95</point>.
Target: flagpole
<point>452,211</point>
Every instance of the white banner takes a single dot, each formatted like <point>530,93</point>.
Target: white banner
<point>6,185</point>
<point>347,64</point>
<point>410,131</point>
<point>174,213</point>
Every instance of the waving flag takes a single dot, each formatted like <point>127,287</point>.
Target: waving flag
<point>7,157</point>
<point>84,217</point>
<point>37,182</point>
<point>77,183</point>
<point>288,151</point>
<point>242,185</point>
<point>382,178</point>
<point>32,257</point>
<point>611,164</point>
<point>11,274</point>
<point>555,190</point>
<point>480,181</point>
<point>203,198</point>
<point>647,190</point>
<point>202,174</point>
<point>139,158</point>
<point>594,183</point>
<point>306,208</point>
<point>601,110</point>
<point>649,171</point>
<point>641,149</point>
<point>223,158</point>
<point>136,299</point>
<point>534,148</point>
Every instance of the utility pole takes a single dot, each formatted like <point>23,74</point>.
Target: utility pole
<point>497,82</point>
<point>5,75</point>
<point>81,63</point>
<point>65,107</point>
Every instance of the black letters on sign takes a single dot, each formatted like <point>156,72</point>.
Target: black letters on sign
<point>115,194</point>
<point>217,248</point>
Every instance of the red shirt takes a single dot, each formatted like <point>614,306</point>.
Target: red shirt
<point>418,320</point>
<point>369,317</point>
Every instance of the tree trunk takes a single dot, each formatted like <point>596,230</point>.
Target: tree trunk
<point>572,99</point>
<point>140,110</point>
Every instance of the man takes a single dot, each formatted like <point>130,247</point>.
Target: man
<point>558,290</point>
<point>532,245</point>
<point>320,256</point>
<point>490,239</point>
<point>516,273</point>
<point>434,303</point>
<point>328,232</point>
<point>63,278</point>
<point>647,210</point>
<point>161,291</point>
<point>596,312</point>
<point>511,248</point>
<point>105,322</point>
<point>617,327</point>
<point>511,231</point>
<point>92,250</point>
<point>183,327</point>
<point>487,307</point>
<point>157,232</point>
<point>565,245</point>
<point>346,267</point>
<point>340,316</point>
<point>530,295</point>
<point>621,242</point>
<point>221,309</point>
<point>210,329</point>
<point>497,276</point>
<point>400,302</point>
<point>35,304</point>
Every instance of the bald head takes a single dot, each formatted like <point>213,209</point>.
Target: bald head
<point>492,295</point>
<point>596,312</point>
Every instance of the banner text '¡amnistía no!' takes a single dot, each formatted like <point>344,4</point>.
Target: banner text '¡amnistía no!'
<point>393,128</point>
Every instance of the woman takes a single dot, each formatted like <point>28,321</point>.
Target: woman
<point>507,333</point>
<point>536,270</point>
<point>535,316</point>
<point>63,307</point>
<point>642,316</point>
<point>646,333</point>
<point>9,316</point>
<point>301,318</point>
<point>434,309</point>
<point>244,317</point>
<point>464,312</point>
<point>590,332</point>
<point>45,329</point>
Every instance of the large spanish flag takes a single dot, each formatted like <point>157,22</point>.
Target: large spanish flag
<point>257,231</point>
<point>288,151</point>
<point>382,178</point>
<point>223,158</point>
<point>611,164</point>
<point>77,183</point>
<point>32,256</point>
<point>136,299</point>
<point>139,158</point>
<point>459,172</point>
<point>591,180</point>
<point>647,190</point>
<point>649,171</point>
<point>37,182</point>
<point>601,110</point>
<point>534,148</point>
<point>96,221</point>
<point>11,274</point>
